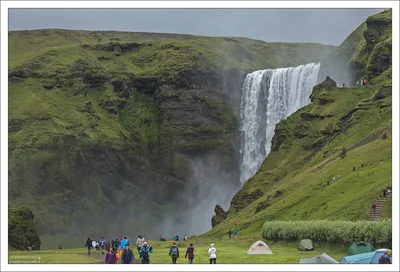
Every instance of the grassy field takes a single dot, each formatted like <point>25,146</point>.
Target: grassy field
<point>228,252</point>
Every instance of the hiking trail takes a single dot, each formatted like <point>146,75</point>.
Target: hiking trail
<point>377,213</point>
<point>101,258</point>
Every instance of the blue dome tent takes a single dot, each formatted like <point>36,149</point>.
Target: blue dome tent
<point>364,258</point>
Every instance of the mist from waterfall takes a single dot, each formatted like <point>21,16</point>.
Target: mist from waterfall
<point>269,96</point>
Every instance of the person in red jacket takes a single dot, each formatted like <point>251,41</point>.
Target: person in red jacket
<point>190,253</point>
<point>111,257</point>
<point>385,258</point>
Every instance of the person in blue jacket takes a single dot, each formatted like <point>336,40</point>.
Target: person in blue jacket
<point>123,243</point>
<point>145,253</point>
<point>102,244</point>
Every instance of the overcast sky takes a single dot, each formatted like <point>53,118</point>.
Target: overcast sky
<point>327,26</point>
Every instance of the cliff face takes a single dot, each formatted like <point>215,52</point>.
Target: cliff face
<point>113,132</point>
<point>366,53</point>
<point>317,167</point>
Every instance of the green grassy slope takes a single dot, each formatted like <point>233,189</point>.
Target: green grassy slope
<point>365,53</point>
<point>342,128</point>
<point>144,53</point>
<point>309,155</point>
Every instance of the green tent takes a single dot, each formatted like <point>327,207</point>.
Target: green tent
<point>306,245</point>
<point>321,258</point>
<point>359,248</point>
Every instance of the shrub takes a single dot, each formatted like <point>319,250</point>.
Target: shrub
<point>343,153</point>
<point>21,229</point>
<point>377,232</point>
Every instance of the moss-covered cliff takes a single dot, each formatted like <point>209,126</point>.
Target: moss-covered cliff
<point>106,128</point>
<point>22,233</point>
<point>366,52</point>
<point>309,173</point>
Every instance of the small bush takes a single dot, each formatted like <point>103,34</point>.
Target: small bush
<point>384,136</point>
<point>377,232</point>
<point>343,153</point>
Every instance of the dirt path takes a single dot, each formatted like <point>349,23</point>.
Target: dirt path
<point>101,258</point>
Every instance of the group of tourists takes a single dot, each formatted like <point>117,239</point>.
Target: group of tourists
<point>387,191</point>
<point>362,82</point>
<point>177,238</point>
<point>118,250</point>
<point>235,233</point>
<point>174,253</point>
<point>92,244</point>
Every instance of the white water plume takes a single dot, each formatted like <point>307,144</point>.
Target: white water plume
<point>269,96</point>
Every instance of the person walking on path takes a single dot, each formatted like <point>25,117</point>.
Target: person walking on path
<point>103,244</point>
<point>88,245</point>
<point>127,255</point>
<point>139,242</point>
<point>111,257</point>
<point>190,253</point>
<point>212,254</point>
<point>174,252</point>
<point>145,253</point>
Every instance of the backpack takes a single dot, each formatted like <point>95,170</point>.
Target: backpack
<point>145,254</point>
<point>174,251</point>
<point>102,243</point>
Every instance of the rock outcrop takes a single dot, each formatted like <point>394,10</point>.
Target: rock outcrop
<point>22,232</point>
<point>220,215</point>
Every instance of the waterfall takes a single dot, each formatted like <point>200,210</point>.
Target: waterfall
<point>269,96</point>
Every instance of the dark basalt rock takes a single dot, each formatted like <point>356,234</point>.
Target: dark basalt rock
<point>16,80</point>
<point>261,206</point>
<point>382,93</point>
<point>278,193</point>
<point>220,215</point>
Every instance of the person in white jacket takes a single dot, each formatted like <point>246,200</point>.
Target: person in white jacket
<point>212,254</point>
<point>94,245</point>
<point>139,242</point>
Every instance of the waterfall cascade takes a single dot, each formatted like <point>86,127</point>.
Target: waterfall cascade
<point>269,96</point>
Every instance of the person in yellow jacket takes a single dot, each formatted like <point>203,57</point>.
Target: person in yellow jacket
<point>119,256</point>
